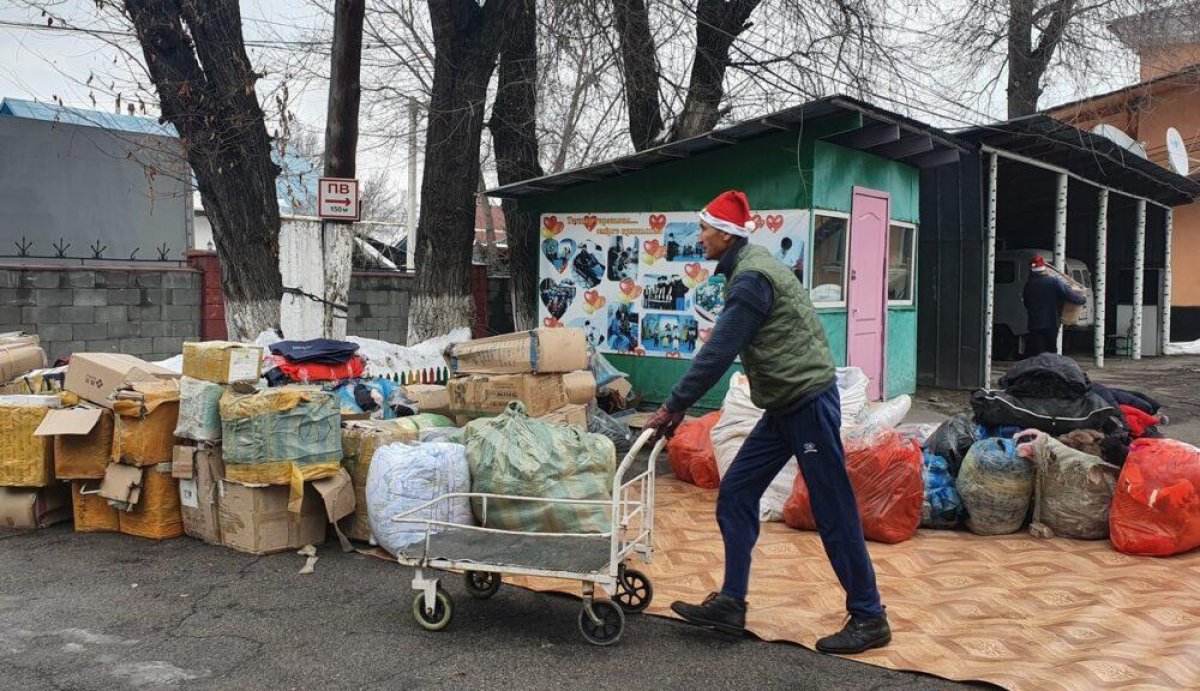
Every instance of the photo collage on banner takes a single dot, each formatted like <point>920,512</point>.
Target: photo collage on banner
<point>638,283</point>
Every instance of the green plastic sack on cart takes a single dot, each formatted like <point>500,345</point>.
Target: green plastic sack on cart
<point>516,455</point>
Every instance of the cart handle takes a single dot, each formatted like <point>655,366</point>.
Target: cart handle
<point>633,452</point>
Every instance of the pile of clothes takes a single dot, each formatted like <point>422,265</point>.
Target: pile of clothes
<point>337,366</point>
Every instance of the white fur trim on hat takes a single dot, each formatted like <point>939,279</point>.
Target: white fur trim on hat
<point>727,226</point>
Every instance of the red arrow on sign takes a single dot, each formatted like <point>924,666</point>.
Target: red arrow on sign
<point>338,201</point>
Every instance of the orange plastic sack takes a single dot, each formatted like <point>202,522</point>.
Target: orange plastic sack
<point>1156,506</point>
<point>691,455</point>
<point>885,470</point>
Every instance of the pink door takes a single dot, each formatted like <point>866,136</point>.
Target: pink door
<point>866,303</point>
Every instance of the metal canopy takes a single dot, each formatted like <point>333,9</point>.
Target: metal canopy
<point>1093,158</point>
<point>880,132</point>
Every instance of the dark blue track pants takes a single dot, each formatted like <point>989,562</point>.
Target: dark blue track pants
<point>812,435</point>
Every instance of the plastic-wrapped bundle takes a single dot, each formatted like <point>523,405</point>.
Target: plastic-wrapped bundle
<point>996,486</point>
<point>888,414</point>
<point>405,476</point>
<point>943,505</point>
<point>1072,491</point>
<point>885,471</point>
<point>852,385</point>
<point>281,436</point>
<point>1156,506</point>
<point>516,455</point>
<point>199,410</point>
<point>600,422</point>
<point>953,440</point>
<point>691,454</point>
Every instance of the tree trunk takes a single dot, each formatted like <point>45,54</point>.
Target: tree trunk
<point>466,38</point>
<point>205,85</point>
<point>640,70</point>
<point>1023,79</point>
<point>718,23</point>
<point>514,136</point>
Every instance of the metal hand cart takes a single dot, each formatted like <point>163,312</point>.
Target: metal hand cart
<point>594,559</point>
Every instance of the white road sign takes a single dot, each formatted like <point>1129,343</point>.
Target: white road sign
<point>337,198</point>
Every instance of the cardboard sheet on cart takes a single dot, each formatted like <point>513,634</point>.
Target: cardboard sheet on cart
<point>1013,611</point>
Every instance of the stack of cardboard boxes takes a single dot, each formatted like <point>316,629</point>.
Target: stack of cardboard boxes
<point>29,495</point>
<point>545,369</point>
<point>253,517</point>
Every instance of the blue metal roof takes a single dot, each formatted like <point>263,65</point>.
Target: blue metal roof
<point>295,188</point>
<point>33,110</point>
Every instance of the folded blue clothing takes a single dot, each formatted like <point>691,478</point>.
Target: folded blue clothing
<point>324,351</point>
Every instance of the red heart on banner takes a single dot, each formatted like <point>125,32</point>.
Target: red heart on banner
<point>549,222</point>
<point>758,221</point>
<point>590,296</point>
<point>652,246</point>
<point>658,221</point>
<point>590,222</point>
<point>628,286</point>
<point>775,222</point>
<point>692,270</point>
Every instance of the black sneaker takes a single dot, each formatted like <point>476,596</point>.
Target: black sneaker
<point>858,635</point>
<point>718,611</point>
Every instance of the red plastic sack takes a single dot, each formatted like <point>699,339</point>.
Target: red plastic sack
<point>691,455</point>
<point>1156,507</point>
<point>885,470</point>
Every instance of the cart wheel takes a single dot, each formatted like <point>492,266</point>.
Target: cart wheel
<point>442,611</point>
<point>482,584</point>
<point>634,591</point>
<point>605,631</point>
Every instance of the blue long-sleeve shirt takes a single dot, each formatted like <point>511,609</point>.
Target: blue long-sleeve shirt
<point>1044,296</point>
<point>748,301</point>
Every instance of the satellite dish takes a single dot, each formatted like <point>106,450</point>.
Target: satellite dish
<point>1177,155</point>
<point>1121,139</point>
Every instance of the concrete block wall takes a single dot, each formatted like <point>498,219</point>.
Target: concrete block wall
<point>146,312</point>
<point>379,305</point>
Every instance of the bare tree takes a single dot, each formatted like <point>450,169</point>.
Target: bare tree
<point>1023,44</point>
<point>466,40</point>
<point>514,134</point>
<point>195,55</point>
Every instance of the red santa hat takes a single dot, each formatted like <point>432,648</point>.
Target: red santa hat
<point>729,212</point>
<point>1039,265</point>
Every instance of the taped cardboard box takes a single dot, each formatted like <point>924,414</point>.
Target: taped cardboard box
<point>25,460</point>
<point>580,386</point>
<point>568,415</point>
<point>484,395</point>
<point>92,512</point>
<point>360,441</point>
<point>19,355</point>
<point>146,416</point>
<point>199,470</point>
<point>156,515</point>
<point>222,362</point>
<point>97,376</point>
<point>430,398</point>
<point>255,518</point>
<point>29,509</point>
<point>537,351</point>
<point>83,441</point>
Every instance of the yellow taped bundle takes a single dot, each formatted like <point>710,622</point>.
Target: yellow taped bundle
<point>222,362</point>
<point>145,423</point>
<point>360,441</point>
<point>25,460</point>
<point>92,512</point>
<point>157,514</point>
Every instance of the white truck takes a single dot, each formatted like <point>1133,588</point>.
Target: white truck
<point>1009,322</point>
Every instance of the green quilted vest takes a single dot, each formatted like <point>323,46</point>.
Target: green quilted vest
<point>789,357</point>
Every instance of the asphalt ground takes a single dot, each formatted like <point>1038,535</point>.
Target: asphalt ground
<point>109,611</point>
